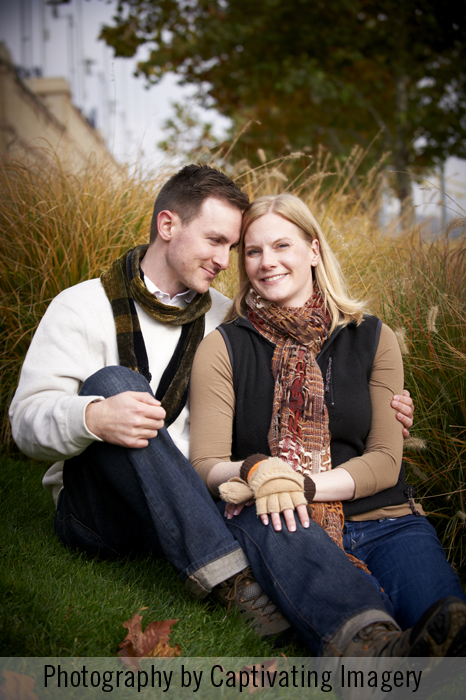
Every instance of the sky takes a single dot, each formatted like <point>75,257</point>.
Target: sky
<point>131,117</point>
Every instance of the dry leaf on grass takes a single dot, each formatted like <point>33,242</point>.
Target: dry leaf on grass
<point>150,643</point>
<point>17,687</point>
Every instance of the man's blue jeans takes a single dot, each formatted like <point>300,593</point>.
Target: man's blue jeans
<point>406,557</point>
<point>119,501</point>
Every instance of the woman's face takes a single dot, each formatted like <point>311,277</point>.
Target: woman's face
<point>279,261</point>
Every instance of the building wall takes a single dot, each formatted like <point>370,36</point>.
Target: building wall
<point>38,121</point>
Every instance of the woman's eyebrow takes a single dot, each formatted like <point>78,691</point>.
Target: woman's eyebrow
<point>276,240</point>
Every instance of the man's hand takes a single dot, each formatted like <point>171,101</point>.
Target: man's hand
<point>405,408</point>
<point>129,419</point>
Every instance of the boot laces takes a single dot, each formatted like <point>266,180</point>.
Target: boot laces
<point>246,587</point>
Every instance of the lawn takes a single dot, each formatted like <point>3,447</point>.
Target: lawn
<point>56,602</point>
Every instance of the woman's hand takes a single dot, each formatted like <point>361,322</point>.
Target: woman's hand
<point>232,509</point>
<point>288,514</point>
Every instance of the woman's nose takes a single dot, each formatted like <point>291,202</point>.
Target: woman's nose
<point>267,259</point>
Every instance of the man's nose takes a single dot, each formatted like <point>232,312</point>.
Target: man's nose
<point>222,258</point>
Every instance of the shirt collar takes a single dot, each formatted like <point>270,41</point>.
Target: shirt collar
<point>181,300</point>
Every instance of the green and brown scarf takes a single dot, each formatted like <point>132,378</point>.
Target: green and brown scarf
<point>299,432</point>
<point>123,285</point>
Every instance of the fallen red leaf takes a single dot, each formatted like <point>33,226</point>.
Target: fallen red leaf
<point>150,643</point>
<point>17,686</point>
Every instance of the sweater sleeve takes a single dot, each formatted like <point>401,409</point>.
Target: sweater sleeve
<point>379,466</point>
<point>46,414</point>
<point>212,405</point>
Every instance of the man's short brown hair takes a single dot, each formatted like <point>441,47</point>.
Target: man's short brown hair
<point>186,191</point>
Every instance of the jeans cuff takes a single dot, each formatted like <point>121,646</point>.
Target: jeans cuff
<point>201,582</point>
<point>340,639</point>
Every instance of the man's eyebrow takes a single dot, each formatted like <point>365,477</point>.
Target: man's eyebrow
<point>222,237</point>
<point>219,235</point>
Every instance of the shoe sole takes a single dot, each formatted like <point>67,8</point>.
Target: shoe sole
<point>441,631</point>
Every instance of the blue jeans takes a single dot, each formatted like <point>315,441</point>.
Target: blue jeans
<point>311,580</point>
<point>118,501</point>
<point>406,557</point>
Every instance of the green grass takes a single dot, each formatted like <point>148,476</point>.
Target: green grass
<point>56,602</point>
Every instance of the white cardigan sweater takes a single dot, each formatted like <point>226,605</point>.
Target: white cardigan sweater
<point>75,338</point>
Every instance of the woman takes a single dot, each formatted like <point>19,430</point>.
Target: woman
<point>298,362</point>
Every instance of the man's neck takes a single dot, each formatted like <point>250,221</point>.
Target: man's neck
<point>181,300</point>
<point>154,267</point>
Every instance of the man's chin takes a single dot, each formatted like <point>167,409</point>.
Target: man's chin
<point>203,285</point>
<point>201,288</point>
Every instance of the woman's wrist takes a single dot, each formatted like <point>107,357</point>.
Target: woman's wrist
<point>222,472</point>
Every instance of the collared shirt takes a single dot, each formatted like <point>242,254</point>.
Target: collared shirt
<point>181,300</point>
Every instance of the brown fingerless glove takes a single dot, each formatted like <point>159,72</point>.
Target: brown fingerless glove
<point>273,484</point>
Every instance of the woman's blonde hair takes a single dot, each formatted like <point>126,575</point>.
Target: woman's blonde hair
<point>327,274</point>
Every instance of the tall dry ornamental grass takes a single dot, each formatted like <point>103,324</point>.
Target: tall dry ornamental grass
<point>58,230</point>
<point>422,296</point>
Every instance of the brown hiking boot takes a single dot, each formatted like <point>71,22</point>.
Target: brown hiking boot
<point>441,631</point>
<point>243,591</point>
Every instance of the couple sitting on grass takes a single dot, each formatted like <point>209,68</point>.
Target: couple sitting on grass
<point>291,417</point>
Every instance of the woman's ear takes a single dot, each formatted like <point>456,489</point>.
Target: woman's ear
<point>315,252</point>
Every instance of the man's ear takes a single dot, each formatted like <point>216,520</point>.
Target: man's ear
<point>166,222</point>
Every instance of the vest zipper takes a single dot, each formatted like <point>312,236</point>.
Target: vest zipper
<point>328,382</point>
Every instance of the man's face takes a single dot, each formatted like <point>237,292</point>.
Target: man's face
<point>200,250</point>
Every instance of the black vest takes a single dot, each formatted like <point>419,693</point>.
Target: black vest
<point>346,362</point>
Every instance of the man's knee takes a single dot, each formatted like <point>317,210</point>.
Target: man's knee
<point>113,380</point>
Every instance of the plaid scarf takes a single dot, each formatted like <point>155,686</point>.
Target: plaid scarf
<point>299,432</point>
<point>123,285</point>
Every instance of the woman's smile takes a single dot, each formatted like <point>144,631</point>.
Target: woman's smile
<point>275,278</point>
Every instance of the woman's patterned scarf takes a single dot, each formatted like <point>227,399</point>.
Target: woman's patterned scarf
<point>299,432</point>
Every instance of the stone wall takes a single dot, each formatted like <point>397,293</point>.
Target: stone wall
<point>38,121</point>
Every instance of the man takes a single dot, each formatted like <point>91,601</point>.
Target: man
<point>126,485</point>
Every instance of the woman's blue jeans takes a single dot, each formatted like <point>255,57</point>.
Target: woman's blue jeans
<point>406,557</point>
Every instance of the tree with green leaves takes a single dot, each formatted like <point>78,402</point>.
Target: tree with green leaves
<point>309,72</point>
